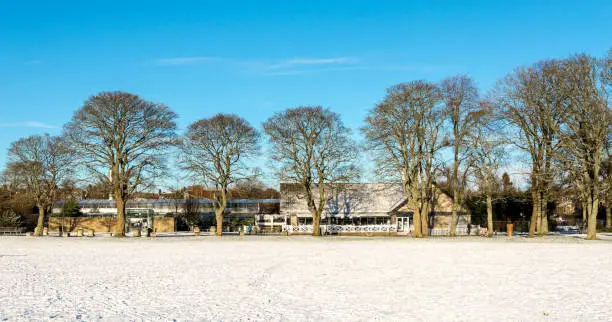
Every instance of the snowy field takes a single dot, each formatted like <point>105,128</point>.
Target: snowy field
<point>305,279</point>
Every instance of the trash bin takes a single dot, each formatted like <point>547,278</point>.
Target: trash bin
<point>509,229</point>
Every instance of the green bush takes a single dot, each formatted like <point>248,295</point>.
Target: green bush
<point>70,208</point>
<point>9,218</point>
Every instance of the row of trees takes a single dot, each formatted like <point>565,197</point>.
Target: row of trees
<point>560,112</point>
<point>556,111</point>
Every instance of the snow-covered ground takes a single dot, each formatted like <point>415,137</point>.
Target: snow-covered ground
<point>301,278</point>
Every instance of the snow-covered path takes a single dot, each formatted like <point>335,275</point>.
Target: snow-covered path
<point>301,278</point>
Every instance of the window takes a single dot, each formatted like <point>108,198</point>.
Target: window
<point>305,221</point>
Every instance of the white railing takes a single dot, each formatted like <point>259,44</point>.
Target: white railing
<point>361,229</point>
<point>342,228</point>
<point>460,230</point>
<point>298,228</point>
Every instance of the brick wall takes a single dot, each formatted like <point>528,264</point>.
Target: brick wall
<point>103,224</point>
<point>98,224</point>
<point>164,225</point>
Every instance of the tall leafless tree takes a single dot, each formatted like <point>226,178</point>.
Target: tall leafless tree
<point>404,133</point>
<point>607,80</point>
<point>123,140</point>
<point>313,149</point>
<point>216,150</point>
<point>190,212</point>
<point>585,132</point>
<point>41,164</point>
<point>606,174</point>
<point>487,155</point>
<point>461,103</point>
<point>532,101</point>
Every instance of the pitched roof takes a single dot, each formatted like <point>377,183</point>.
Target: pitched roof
<point>356,199</point>
<point>364,199</point>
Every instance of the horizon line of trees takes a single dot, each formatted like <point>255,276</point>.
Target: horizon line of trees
<point>555,113</point>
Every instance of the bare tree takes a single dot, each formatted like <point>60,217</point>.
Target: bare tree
<point>607,79</point>
<point>460,97</point>
<point>40,164</point>
<point>216,150</point>
<point>606,174</point>
<point>190,212</point>
<point>122,139</point>
<point>488,154</point>
<point>313,149</point>
<point>532,101</point>
<point>404,133</point>
<point>585,132</point>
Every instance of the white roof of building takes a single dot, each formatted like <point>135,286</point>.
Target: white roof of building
<point>346,200</point>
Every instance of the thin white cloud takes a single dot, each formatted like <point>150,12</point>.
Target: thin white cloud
<point>423,68</point>
<point>293,66</point>
<point>297,62</point>
<point>311,71</point>
<point>184,60</point>
<point>28,124</point>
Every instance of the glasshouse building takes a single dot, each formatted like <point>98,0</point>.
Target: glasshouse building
<point>166,215</point>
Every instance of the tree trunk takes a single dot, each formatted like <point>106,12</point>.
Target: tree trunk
<point>545,189</point>
<point>219,220</point>
<point>416,217</point>
<point>539,217</point>
<point>425,221</point>
<point>120,224</point>
<point>592,224</point>
<point>220,208</point>
<point>584,216</point>
<point>41,221</point>
<point>453,226</point>
<point>316,223</point>
<point>608,216</point>
<point>455,174</point>
<point>543,216</point>
<point>489,215</point>
<point>592,228</point>
<point>534,215</point>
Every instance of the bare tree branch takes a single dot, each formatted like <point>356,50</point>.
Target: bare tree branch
<point>126,136</point>
<point>216,150</point>
<point>312,148</point>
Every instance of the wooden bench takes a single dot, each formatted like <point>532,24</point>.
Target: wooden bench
<point>12,230</point>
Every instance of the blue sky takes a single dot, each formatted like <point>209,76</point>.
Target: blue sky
<point>254,58</point>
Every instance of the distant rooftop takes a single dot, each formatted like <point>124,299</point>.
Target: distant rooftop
<point>167,201</point>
